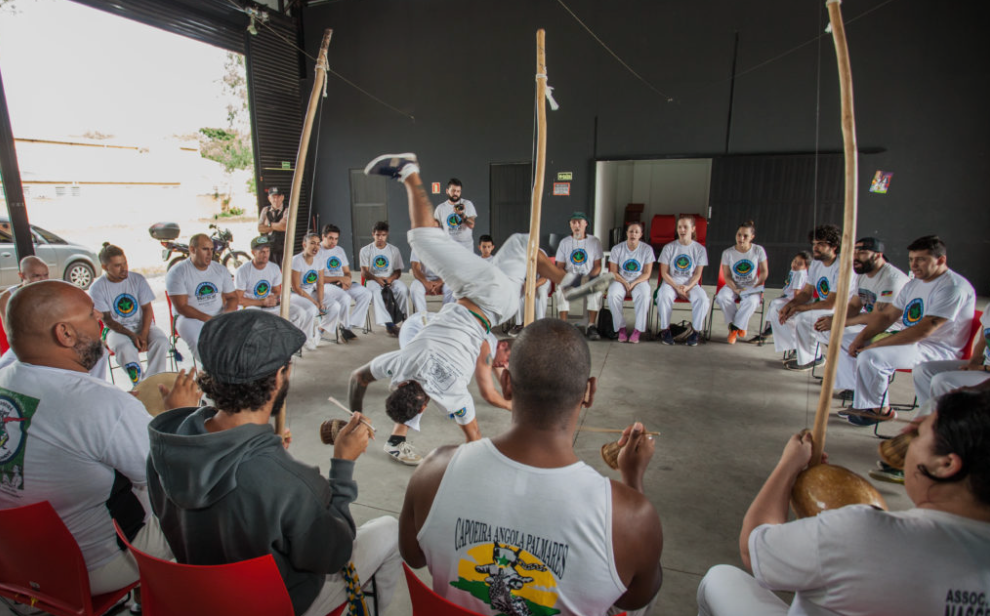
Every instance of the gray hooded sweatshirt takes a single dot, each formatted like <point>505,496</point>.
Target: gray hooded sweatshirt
<point>237,494</point>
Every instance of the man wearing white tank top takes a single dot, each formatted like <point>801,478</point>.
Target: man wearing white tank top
<point>517,536</point>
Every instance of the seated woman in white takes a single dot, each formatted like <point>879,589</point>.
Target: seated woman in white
<point>745,269</point>
<point>681,264</point>
<point>631,264</point>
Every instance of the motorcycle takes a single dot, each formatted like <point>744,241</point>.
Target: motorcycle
<point>167,232</point>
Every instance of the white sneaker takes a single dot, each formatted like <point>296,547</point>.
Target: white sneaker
<point>404,452</point>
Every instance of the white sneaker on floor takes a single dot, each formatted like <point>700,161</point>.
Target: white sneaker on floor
<point>404,452</point>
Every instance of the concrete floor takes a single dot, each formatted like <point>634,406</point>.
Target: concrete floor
<point>724,413</point>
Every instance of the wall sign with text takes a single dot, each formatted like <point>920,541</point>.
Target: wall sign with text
<point>561,189</point>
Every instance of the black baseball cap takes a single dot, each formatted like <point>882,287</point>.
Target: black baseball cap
<point>870,243</point>
<point>273,190</point>
<point>246,345</point>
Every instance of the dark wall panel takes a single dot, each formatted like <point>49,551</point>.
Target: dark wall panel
<point>465,71</point>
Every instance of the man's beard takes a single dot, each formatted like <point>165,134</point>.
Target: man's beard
<point>90,352</point>
<point>864,267</point>
<point>279,401</point>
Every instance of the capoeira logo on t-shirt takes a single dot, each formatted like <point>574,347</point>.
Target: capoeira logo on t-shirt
<point>125,305</point>
<point>823,288</point>
<point>206,290</point>
<point>262,289</point>
<point>16,411</point>
<point>133,371</point>
<point>380,263</point>
<point>310,277</point>
<point>683,264</point>
<point>631,265</point>
<point>453,221</point>
<point>914,312</point>
<point>333,264</point>
<point>579,256</point>
<point>514,572</point>
<point>869,299</point>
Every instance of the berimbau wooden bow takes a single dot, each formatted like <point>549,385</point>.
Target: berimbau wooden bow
<point>319,78</point>
<point>848,228</point>
<point>533,248</point>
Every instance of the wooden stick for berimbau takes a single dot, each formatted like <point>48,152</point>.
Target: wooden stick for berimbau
<point>848,229</point>
<point>297,177</point>
<point>533,248</point>
<point>338,404</point>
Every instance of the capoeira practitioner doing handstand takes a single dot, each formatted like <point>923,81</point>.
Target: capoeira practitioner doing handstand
<point>438,363</point>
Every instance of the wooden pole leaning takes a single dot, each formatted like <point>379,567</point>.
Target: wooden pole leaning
<point>533,248</point>
<point>319,76</point>
<point>848,229</point>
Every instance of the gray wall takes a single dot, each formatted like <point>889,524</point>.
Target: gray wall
<point>465,71</point>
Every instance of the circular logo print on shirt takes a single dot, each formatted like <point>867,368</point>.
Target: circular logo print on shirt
<point>453,221</point>
<point>869,299</point>
<point>262,289</point>
<point>310,277</point>
<point>459,412</point>
<point>206,290</point>
<point>743,268</point>
<point>631,265</point>
<point>914,312</point>
<point>125,305</point>
<point>13,428</point>
<point>133,371</point>
<point>333,263</point>
<point>682,264</point>
<point>579,256</point>
<point>823,288</point>
<point>381,262</point>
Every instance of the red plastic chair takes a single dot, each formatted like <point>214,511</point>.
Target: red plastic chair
<point>41,564</point>
<point>252,586</point>
<point>663,230</point>
<point>425,602</point>
<point>4,345</point>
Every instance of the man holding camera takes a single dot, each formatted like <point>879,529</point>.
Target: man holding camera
<point>457,215</point>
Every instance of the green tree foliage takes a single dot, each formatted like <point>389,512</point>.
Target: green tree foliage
<point>231,146</point>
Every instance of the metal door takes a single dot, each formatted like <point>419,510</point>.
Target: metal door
<point>369,204</point>
<point>511,199</point>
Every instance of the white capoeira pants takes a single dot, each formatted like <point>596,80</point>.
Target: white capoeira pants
<point>937,378</point>
<point>123,570</point>
<point>729,591</point>
<point>540,306</point>
<point>797,334</point>
<point>399,290</point>
<point>740,314</point>
<point>375,554</point>
<point>783,335</point>
<point>641,304</point>
<point>349,317</point>
<point>417,294</point>
<point>302,313</point>
<point>493,285</point>
<point>870,371</point>
<point>699,305</point>
<point>129,359</point>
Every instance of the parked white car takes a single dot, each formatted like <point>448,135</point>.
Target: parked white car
<point>71,262</point>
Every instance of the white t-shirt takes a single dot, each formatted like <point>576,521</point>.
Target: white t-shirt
<point>460,233</point>
<point>825,278</point>
<point>857,560</point>
<point>682,261</point>
<point>579,256</point>
<point>203,288</point>
<point>257,283</point>
<point>630,263</point>
<point>123,300</point>
<point>334,261</point>
<point>949,296</point>
<point>66,432</point>
<point>430,274</point>
<point>794,282</point>
<point>309,273</point>
<point>882,288</point>
<point>441,359</point>
<point>381,262</point>
<point>744,266</point>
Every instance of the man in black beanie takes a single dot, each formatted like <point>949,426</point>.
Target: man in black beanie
<point>225,489</point>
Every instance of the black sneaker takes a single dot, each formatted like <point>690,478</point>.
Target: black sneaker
<point>666,337</point>
<point>869,417</point>
<point>391,165</point>
<point>846,395</point>
<point>758,339</point>
<point>592,333</point>
<point>796,367</point>
<point>346,334</point>
<point>788,356</point>
<point>392,329</point>
<point>692,339</point>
